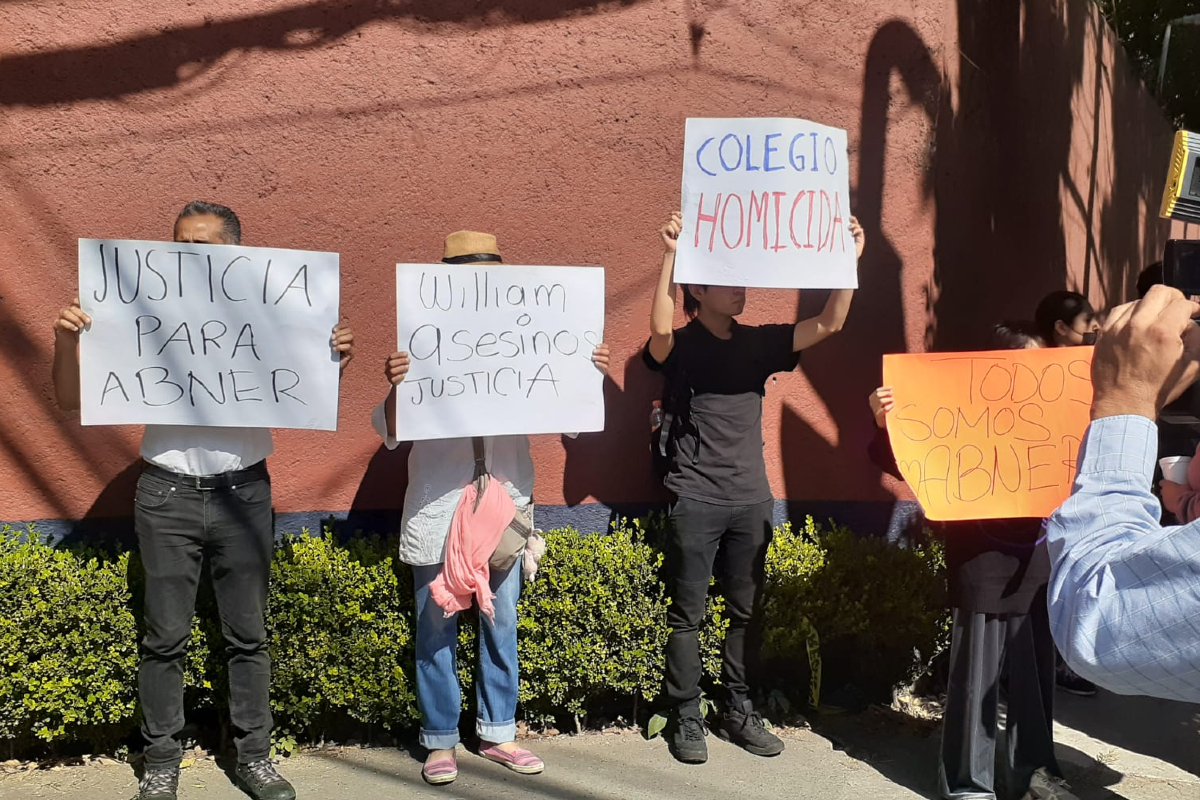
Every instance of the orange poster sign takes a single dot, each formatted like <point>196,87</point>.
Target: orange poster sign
<point>992,434</point>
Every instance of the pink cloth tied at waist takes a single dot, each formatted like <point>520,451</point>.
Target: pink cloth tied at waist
<point>475,533</point>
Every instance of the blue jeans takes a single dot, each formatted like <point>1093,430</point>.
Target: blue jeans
<point>497,681</point>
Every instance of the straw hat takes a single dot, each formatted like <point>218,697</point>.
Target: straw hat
<point>468,247</point>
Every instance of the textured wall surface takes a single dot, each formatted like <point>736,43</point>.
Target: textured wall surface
<point>1000,150</point>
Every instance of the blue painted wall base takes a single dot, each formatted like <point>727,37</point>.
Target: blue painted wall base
<point>889,519</point>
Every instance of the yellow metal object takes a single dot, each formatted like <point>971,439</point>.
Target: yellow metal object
<point>1181,197</point>
<point>1175,176</point>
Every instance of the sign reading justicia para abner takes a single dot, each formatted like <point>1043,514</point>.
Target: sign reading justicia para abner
<point>215,335</point>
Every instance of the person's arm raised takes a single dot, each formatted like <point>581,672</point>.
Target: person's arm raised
<point>395,368</point>
<point>1122,587</point>
<point>342,343</point>
<point>67,327</point>
<point>662,310</point>
<point>831,319</point>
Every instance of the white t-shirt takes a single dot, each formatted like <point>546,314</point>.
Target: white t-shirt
<point>438,471</point>
<point>195,450</point>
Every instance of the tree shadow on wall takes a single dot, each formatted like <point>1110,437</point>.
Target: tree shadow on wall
<point>183,54</point>
<point>812,467</point>
<point>378,505</point>
<point>1000,163</point>
<point>108,523</point>
<point>615,468</point>
<point>17,438</point>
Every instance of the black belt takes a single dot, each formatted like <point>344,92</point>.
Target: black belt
<point>225,480</point>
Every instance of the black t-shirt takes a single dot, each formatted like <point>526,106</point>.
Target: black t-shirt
<point>714,396</point>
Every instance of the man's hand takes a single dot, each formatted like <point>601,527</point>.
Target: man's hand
<point>1172,494</point>
<point>395,368</point>
<point>670,231</point>
<point>600,358</point>
<point>343,342</point>
<point>1147,354</point>
<point>882,402</point>
<point>860,237</point>
<point>71,320</point>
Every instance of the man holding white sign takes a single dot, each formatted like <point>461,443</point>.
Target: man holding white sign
<point>715,371</point>
<point>168,351</point>
<point>766,203</point>
<point>492,353</point>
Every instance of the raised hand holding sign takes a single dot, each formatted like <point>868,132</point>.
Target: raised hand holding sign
<point>987,435</point>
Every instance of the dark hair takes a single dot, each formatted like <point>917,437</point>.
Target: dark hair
<point>1150,276</point>
<point>1060,306</point>
<point>230,224</point>
<point>691,306</point>
<point>1015,335</point>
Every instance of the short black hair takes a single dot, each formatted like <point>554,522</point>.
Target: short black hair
<point>1015,335</point>
<point>1060,306</point>
<point>691,306</point>
<point>230,224</point>
<point>1150,276</point>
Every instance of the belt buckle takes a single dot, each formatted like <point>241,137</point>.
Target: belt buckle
<point>197,482</point>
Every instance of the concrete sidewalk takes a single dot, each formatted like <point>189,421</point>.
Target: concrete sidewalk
<point>1111,747</point>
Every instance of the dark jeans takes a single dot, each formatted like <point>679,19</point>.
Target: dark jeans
<point>983,647</point>
<point>177,527</point>
<point>701,531</point>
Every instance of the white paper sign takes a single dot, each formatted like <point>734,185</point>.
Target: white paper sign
<point>766,203</point>
<point>498,350</point>
<point>199,334</point>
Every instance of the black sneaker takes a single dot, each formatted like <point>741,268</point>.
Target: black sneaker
<point>686,738</point>
<point>263,781</point>
<point>1068,681</point>
<point>159,784</point>
<point>743,726</point>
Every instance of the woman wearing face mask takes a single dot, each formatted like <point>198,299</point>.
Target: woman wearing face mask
<point>1066,319</point>
<point>997,571</point>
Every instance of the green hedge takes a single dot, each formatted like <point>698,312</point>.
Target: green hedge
<point>68,647</point>
<point>592,632</point>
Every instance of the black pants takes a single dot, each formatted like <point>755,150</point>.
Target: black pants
<point>983,647</point>
<point>700,531</point>
<point>177,527</point>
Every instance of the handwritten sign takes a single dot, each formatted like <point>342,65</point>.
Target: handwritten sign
<point>499,350</point>
<point>989,435</point>
<point>766,202</point>
<point>214,335</point>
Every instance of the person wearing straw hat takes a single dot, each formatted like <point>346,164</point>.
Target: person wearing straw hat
<point>439,533</point>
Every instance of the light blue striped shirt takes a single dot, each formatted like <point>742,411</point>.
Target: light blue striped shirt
<point>1124,591</point>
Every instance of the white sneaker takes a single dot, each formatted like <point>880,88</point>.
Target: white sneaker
<point>1044,786</point>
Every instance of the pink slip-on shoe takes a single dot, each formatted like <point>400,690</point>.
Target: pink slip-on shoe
<point>520,761</point>
<point>440,772</point>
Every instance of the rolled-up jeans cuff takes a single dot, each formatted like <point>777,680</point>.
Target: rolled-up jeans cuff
<point>439,740</point>
<point>497,732</point>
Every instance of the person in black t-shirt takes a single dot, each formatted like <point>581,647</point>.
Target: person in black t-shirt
<point>997,570</point>
<point>716,371</point>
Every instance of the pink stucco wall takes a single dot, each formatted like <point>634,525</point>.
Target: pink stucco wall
<point>1001,150</point>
